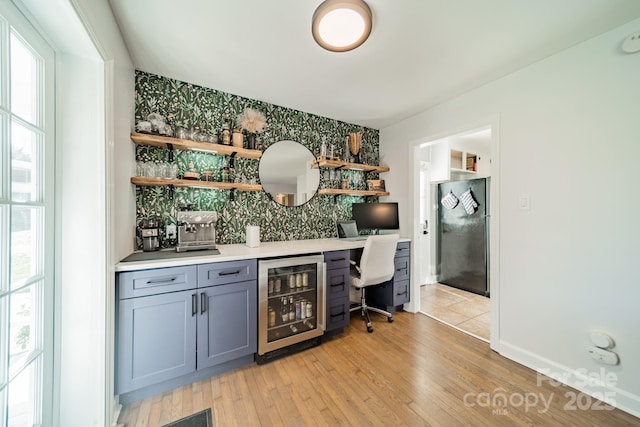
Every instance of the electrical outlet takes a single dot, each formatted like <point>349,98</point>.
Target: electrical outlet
<point>603,356</point>
<point>170,232</point>
<point>632,43</point>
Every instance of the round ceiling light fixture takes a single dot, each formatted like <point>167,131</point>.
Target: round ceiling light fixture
<point>341,25</point>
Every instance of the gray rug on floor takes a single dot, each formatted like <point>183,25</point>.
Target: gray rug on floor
<point>200,419</point>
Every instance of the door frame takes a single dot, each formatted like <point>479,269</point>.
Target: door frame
<point>493,122</point>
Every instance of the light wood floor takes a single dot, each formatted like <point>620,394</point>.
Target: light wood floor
<point>461,309</point>
<point>414,372</point>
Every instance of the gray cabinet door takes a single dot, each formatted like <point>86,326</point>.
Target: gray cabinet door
<point>156,339</point>
<point>227,322</point>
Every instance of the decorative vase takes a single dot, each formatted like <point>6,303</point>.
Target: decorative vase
<point>238,139</point>
<point>251,141</point>
<point>355,141</point>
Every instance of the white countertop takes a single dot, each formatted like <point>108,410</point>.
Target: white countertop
<point>241,252</point>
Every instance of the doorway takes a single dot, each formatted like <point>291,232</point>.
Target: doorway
<point>465,154</point>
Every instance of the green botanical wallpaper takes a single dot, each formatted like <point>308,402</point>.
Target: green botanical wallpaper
<point>190,106</point>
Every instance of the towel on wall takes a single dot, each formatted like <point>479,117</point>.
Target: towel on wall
<point>469,202</point>
<point>449,201</point>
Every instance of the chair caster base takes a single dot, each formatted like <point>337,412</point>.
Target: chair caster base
<point>390,319</point>
<point>369,329</point>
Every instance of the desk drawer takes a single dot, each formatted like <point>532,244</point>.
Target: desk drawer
<point>400,292</point>
<point>338,314</point>
<point>403,267</point>
<point>140,283</point>
<point>336,259</point>
<point>403,249</point>
<point>220,273</point>
<point>338,282</point>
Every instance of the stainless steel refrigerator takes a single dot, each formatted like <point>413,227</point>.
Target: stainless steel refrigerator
<point>463,235</point>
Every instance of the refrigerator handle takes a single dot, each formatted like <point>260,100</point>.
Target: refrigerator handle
<point>322,312</point>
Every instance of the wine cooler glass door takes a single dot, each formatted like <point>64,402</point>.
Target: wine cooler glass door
<point>291,301</point>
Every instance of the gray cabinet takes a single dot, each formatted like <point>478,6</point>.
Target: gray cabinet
<point>337,291</point>
<point>175,322</point>
<point>227,322</point>
<point>396,292</point>
<point>156,326</point>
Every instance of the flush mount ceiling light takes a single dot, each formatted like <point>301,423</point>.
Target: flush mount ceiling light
<point>341,25</point>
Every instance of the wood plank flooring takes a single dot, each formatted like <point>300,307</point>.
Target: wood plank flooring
<point>414,372</point>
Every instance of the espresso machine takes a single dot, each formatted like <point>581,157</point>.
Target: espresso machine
<point>150,234</point>
<point>196,230</point>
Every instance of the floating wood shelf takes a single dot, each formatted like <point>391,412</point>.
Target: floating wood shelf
<point>155,182</point>
<point>339,191</point>
<point>336,164</point>
<point>187,145</point>
<point>463,171</point>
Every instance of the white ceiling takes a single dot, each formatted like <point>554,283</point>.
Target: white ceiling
<point>420,52</point>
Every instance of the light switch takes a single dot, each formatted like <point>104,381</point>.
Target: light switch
<point>524,202</point>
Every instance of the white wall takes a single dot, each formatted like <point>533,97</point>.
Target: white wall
<point>117,153</point>
<point>569,132</point>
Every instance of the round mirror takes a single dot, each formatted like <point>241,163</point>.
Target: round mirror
<point>287,173</point>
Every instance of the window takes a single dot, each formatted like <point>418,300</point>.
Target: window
<point>26,224</point>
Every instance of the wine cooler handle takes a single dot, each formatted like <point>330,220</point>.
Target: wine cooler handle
<point>203,301</point>
<point>194,304</point>
<point>321,311</point>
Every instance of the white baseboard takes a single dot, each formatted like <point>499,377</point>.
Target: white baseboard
<point>590,383</point>
<point>116,408</point>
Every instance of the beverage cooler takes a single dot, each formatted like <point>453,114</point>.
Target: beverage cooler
<point>291,305</point>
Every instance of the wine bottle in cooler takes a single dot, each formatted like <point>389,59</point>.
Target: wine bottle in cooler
<point>284,310</point>
<point>292,309</point>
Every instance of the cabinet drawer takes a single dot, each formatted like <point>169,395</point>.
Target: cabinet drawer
<point>403,249</point>
<point>400,292</point>
<point>336,259</point>
<point>403,266</point>
<point>157,281</point>
<point>337,313</point>
<point>338,283</point>
<point>220,273</point>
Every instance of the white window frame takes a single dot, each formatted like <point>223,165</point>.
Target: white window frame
<point>13,20</point>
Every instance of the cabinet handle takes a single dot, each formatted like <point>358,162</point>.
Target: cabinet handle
<point>228,273</point>
<point>338,315</point>
<point>203,302</point>
<point>337,259</point>
<point>337,284</point>
<point>403,293</point>
<point>194,304</point>
<point>161,281</point>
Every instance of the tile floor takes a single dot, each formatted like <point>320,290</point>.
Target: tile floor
<point>463,310</point>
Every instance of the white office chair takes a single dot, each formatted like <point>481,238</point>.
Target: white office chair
<point>376,267</point>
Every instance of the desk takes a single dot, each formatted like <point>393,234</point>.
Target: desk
<point>239,252</point>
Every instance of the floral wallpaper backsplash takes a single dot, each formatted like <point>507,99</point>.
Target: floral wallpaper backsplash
<point>191,106</point>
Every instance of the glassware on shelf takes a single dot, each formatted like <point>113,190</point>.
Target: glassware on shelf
<point>345,154</point>
<point>172,171</point>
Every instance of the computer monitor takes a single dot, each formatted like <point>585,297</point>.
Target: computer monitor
<point>376,216</point>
